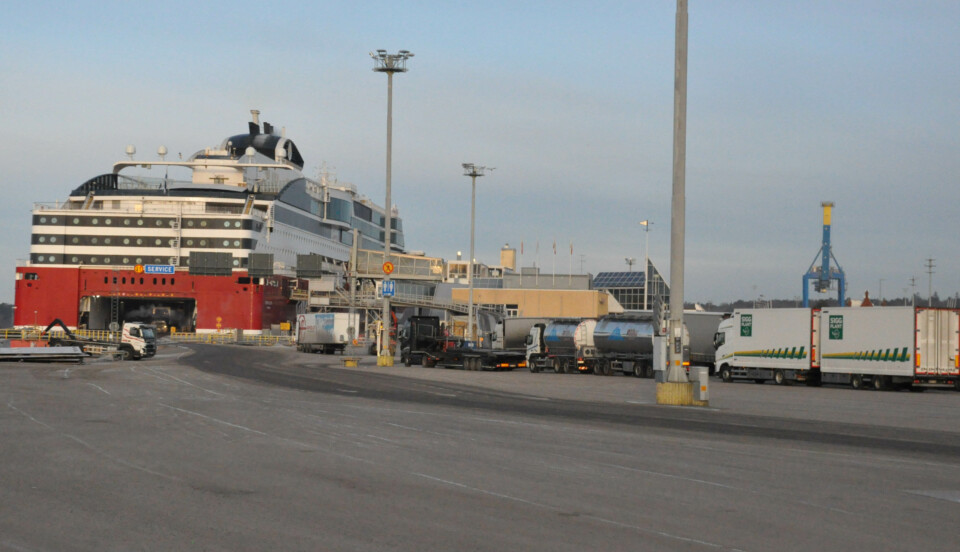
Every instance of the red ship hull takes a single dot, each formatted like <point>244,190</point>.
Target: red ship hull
<point>217,302</point>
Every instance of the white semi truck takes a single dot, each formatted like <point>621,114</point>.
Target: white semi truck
<point>884,347</point>
<point>326,332</point>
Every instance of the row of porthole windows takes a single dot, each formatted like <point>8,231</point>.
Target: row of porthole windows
<point>160,222</point>
<point>156,242</point>
<point>95,260</point>
<point>123,280</point>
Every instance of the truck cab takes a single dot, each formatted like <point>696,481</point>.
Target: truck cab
<point>138,340</point>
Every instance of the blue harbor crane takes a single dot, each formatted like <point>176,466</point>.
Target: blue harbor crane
<point>824,275</point>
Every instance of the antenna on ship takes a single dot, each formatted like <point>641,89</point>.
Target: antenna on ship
<point>131,151</point>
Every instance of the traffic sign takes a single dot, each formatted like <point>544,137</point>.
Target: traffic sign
<point>389,288</point>
<point>388,267</point>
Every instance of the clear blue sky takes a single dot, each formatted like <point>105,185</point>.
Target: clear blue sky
<point>790,103</point>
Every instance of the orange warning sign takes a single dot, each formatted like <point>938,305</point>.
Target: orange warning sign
<point>388,267</point>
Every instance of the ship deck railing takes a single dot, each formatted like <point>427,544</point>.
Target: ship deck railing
<point>148,207</point>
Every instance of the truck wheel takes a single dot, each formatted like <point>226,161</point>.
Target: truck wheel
<point>557,368</point>
<point>856,381</point>
<point>879,383</point>
<point>126,354</point>
<point>725,374</point>
<point>532,365</point>
<point>406,361</point>
<point>597,370</point>
<point>637,370</point>
<point>607,368</point>
<point>779,378</point>
<point>569,368</point>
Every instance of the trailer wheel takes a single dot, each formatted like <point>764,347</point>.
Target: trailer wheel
<point>725,374</point>
<point>856,381</point>
<point>406,361</point>
<point>779,378</point>
<point>532,365</point>
<point>607,368</point>
<point>557,368</point>
<point>879,383</point>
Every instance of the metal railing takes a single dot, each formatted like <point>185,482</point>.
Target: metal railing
<point>229,337</point>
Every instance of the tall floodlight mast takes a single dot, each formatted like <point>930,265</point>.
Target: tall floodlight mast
<point>473,171</point>
<point>389,64</point>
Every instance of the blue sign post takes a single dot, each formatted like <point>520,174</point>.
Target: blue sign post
<point>389,288</point>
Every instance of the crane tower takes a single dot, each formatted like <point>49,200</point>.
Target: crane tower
<point>824,274</point>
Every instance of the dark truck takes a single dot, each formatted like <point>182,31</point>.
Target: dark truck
<point>422,342</point>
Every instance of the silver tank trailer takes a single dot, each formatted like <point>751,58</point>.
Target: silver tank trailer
<point>624,337</point>
<point>558,337</point>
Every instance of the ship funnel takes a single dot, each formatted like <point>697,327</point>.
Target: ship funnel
<point>256,116</point>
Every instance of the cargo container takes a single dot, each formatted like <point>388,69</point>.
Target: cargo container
<point>325,332</point>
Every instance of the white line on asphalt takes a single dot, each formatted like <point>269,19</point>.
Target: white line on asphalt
<point>952,496</point>
<point>98,387</point>
<point>588,516</point>
<point>175,378</point>
<point>347,390</point>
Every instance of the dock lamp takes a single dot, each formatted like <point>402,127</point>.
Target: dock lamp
<point>389,64</point>
<point>473,171</point>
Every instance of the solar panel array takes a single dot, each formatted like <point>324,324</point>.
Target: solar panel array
<point>607,280</point>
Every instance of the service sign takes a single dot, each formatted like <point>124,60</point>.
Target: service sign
<point>159,269</point>
<point>836,326</point>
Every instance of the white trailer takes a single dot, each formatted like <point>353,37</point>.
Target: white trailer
<point>326,332</point>
<point>891,347</point>
<point>886,347</point>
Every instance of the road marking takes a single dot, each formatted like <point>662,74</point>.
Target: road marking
<point>175,378</point>
<point>98,387</point>
<point>952,496</point>
<point>588,516</point>
<point>347,390</point>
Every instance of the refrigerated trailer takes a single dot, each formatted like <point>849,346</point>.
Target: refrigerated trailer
<point>888,347</point>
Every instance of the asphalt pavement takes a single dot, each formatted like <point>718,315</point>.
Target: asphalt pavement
<point>236,448</point>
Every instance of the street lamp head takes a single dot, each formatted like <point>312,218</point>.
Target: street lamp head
<point>471,169</point>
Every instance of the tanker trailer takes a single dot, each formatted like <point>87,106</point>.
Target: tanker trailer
<point>624,344</point>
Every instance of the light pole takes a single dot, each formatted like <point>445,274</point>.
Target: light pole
<point>630,261</point>
<point>675,372</point>
<point>389,64</point>
<point>646,261</point>
<point>473,171</point>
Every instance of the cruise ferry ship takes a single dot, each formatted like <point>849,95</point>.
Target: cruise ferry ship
<point>228,245</point>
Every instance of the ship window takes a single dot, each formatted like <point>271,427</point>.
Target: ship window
<point>203,243</point>
<point>95,221</point>
<point>189,223</point>
<point>75,240</point>
<point>190,243</point>
<point>226,224</point>
<point>236,262</point>
<point>93,240</point>
<point>41,239</point>
<point>106,241</point>
<point>126,241</point>
<point>139,260</point>
<point>92,259</point>
<point>236,243</point>
<point>172,280</point>
<point>76,221</point>
<point>114,279</point>
<point>126,260</point>
<point>43,220</point>
<point>139,241</point>
<point>164,281</point>
<point>159,222</point>
<point>126,222</point>
<point>158,241</point>
<point>53,239</point>
<point>236,224</point>
<point>30,276</point>
<point>74,260</point>
<point>105,280</point>
<point>106,260</point>
<point>124,280</point>
<point>226,243</point>
<point>171,243</point>
<point>203,223</point>
<point>53,220</point>
<point>108,222</point>
<point>141,280</point>
<point>243,280</point>
<point>139,222</point>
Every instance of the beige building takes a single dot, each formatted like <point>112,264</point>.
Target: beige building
<point>548,303</point>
